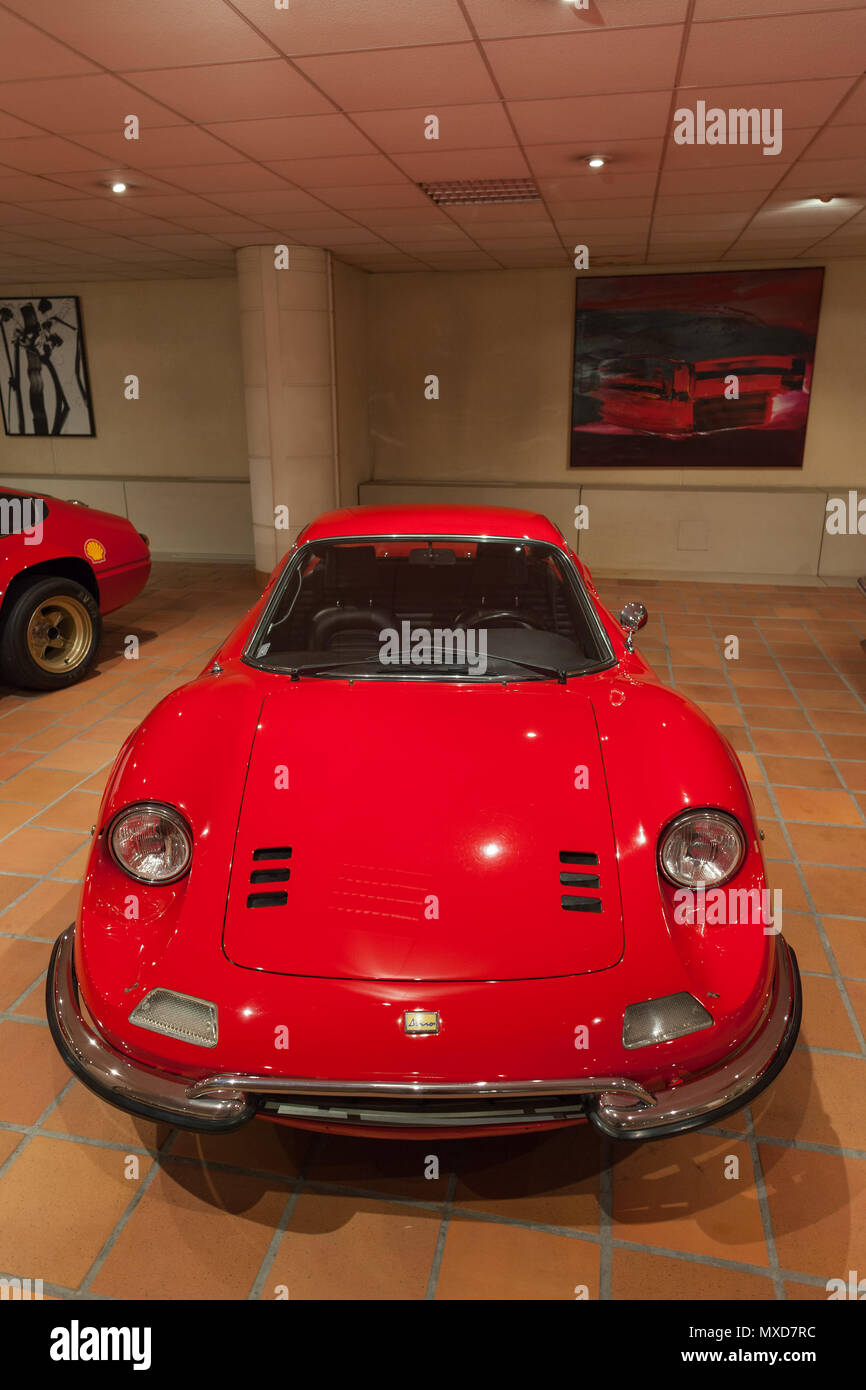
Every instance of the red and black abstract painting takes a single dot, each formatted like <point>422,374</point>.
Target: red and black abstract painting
<point>698,370</point>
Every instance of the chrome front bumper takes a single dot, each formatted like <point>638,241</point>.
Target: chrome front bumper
<point>619,1107</point>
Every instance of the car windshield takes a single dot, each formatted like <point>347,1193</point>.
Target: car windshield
<point>439,609</point>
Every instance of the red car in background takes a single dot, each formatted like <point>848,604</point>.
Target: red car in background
<point>677,373</point>
<point>62,566</point>
<point>354,877</point>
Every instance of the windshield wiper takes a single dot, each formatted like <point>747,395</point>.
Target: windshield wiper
<point>314,667</point>
<point>558,671</point>
<point>311,667</point>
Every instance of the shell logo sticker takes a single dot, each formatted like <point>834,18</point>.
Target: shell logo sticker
<point>95,551</point>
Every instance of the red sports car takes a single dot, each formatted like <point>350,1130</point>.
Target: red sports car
<point>62,565</point>
<point>427,848</point>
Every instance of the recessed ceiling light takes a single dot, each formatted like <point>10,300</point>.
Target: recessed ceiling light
<point>118,187</point>
<point>596,161</point>
<point>824,198</point>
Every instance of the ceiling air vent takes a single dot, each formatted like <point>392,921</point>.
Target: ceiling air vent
<point>448,192</point>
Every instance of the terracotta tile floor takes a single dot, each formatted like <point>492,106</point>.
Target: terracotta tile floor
<point>100,1204</point>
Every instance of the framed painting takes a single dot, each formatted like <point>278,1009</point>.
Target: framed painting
<point>698,370</point>
<point>43,368</point>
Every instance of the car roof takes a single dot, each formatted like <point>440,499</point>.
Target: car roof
<point>433,519</point>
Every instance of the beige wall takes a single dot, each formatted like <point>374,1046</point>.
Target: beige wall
<point>176,459</point>
<point>352,379</point>
<point>501,344</point>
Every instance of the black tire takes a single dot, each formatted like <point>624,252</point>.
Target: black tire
<point>68,650</point>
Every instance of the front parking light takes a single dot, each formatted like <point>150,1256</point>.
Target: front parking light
<point>178,1016</point>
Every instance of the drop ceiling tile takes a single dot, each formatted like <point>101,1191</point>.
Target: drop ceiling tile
<point>603,61</point>
<point>720,222</point>
<point>73,104</point>
<point>209,33</point>
<point>584,121</point>
<point>218,178</point>
<point>283,223</point>
<point>426,216</point>
<point>842,176</point>
<point>734,179</point>
<point>534,260</point>
<point>407,231</point>
<point>854,110</point>
<point>169,205</point>
<point>734,9</point>
<point>96,182</point>
<point>76,210</point>
<point>590,184</point>
<point>696,156</point>
<point>634,227</point>
<point>632,156</point>
<point>464,164</point>
<point>498,214</point>
<point>466,260</point>
<point>507,244</point>
<point>181,241</point>
<point>349,170</point>
<point>235,91</point>
<point>130,226</point>
<point>685,204</point>
<point>336,236</point>
<point>778,236</point>
<point>446,74</point>
<point>47,154</point>
<point>11,128</point>
<point>378,199</point>
<point>15,188</point>
<point>688,237</point>
<point>301,137</point>
<point>180,144</point>
<point>514,18</point>
<point>325,26</point>
<point>218,225</point>
<point>774,49</point>
<point>600,207</point>
<point>25,52</point>
<point>802,103</point>
<point>460,127</point>
<point>837,142</point>
<point>424,248</point>
<point>277,202</point>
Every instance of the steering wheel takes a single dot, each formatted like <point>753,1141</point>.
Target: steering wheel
<point>486,616</point>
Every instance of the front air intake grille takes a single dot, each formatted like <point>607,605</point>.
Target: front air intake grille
<point>278,852</point>
<point>574,878</point>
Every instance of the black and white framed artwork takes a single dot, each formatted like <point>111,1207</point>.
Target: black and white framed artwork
<point>43,368</point>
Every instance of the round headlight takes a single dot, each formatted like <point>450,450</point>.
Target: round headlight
<point>702,849</point>
<point>150,842</point>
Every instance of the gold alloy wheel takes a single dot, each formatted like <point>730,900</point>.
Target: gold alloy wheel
<point>59,634</point>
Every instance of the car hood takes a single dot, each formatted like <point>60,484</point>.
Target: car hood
<point>406,830</point>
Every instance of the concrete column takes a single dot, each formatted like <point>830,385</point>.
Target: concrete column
<point>289,388</point>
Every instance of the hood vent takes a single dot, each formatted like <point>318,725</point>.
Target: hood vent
<point>278,874</point>
<point>579,877</point>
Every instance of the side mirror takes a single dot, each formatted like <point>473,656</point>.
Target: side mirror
<point>633,617</point>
